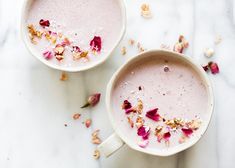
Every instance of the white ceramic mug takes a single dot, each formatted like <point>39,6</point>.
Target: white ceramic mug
<point>118,139</point>
<point>38,55</point>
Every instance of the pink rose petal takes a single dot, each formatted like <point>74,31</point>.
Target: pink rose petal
<point>167,136</point>
<point>96,44</point>
<point>144,131</point>
<point>143,144</point>
<point>47,55</point>
<point>187,131</point>
<point>128,111</point>
<point>213,67</point>
<point>152,114</point>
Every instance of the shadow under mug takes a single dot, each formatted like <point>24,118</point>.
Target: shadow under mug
<point>118,139</point>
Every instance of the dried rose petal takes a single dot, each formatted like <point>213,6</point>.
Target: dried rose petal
<point>44,23</point>
<point>206,68</point>
<point>167,136</point>
<point>96,44</point>
<point>76,49</point>
<point>143,143</point>
<point>144,131</point>
<point>47,55</point>
<point>92,100</point>
<point>152,114</point>
<point>126,105</point>
<point>65,42</point>
<point>76,116</point>
<point>213,67</point>
<point>187,131</point>
<point>88,123</point>
<point>128,111</point>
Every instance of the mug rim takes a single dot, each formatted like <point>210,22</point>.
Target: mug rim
<point>35,53</point>
<point>194,65</point>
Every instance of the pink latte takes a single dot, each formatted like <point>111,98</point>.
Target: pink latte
<point>159,102</point>
<point>74,24</point>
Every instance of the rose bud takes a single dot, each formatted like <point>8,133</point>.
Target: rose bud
<point>44,23</point>
<point>92,100</point>
<point>213,67</point>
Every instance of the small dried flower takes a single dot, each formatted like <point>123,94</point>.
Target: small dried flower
<point>209,52</point>
<point>47,55</point>
<point>96,154</point>
<point>76,116</point>
<point>213,67</point>
<point>76,49</point>
<point>44,23</point>
<point>96,44</point>
<point>181,44</point>
<point>88,123</point>
<point>92,100</point>
<point>145,11</point>
<point>123,51</point>
<point>64,76</point>
<point>59,49</point>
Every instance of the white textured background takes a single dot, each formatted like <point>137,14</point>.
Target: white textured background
<point>35,104</point>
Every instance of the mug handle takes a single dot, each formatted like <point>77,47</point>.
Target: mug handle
<point>111,145</point>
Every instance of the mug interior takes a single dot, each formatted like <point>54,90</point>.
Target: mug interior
<point>38,55</point>
<point>155,54</point>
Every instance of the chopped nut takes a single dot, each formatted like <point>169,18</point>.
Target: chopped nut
<point>59,49</point>
<point>123,50</point>
<point>88,123</point>
<point>139,121</point>
<point>96,154</point>
<point>145,11</point>
<point>95,139</point>
<point>139,107</point>
<point>59,57</point>
<point>130,122</point>
<point>84,54</point>
<point>209,52</point>
<point>158,129</point>
<point>76,116</point>
<point>181,44</point>
<point>64,76</point>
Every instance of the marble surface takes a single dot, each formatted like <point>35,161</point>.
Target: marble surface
<point>35,104</point>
